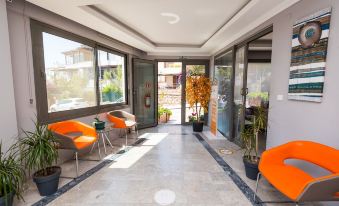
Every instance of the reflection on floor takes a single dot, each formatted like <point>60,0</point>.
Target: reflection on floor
<point>170,168</point>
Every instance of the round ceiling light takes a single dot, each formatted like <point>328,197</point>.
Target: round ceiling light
<point>175,18</point>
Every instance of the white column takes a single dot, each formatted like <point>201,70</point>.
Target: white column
<point>8,120</point>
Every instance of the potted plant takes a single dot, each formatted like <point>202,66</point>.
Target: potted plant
<point>39,152</point>
<point>162,117</point>
<point>98,124</point>
<point>168,113</point>
<point>12,176</point>
<point>250,136</point>
<point>198,91</point>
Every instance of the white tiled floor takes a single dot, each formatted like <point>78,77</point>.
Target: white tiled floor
<point>167,161</point>
<point>171,159</point>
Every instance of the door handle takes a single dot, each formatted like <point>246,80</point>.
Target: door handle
<point>244,91</point>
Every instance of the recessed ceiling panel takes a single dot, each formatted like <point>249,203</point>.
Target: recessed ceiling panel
<point>173,22</point>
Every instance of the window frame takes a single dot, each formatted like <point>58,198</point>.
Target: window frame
<point>112,51</point>
<point>43,116</point>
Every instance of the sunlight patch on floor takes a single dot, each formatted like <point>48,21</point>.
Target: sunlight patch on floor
<point>135,153</point>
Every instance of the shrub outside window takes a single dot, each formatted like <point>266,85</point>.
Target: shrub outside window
<point>112,77</point>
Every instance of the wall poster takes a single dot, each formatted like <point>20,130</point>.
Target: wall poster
<point>308,59</point>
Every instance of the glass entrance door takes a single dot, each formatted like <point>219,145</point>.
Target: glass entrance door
<point>239,92</point>
<point>144,92</point>
<point>193,68</point>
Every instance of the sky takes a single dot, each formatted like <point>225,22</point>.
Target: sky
<point>53,48</point>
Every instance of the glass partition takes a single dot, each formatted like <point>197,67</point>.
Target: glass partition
<point>223,75</point>
<point>258,84</point>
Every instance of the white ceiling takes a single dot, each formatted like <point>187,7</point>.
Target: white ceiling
<point>198,18</point>
<point>204,27</point>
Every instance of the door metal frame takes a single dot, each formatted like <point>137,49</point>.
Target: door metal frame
<point>134,92</point>
<point>185,62</point>
<point>230,123</point>
<point>234,49</point>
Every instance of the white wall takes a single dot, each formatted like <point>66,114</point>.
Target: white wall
<point>8,120</point>
<point>293,120</point>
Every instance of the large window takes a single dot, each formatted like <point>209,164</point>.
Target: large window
<point>112,77</point>
<point>70,82</point>
<point>75,76</point>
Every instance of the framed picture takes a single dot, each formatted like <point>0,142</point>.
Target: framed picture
<point>308,59</point>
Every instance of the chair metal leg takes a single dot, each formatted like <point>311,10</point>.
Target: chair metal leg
<point>256,187</point>
<point>126,137</point>
<point>92,147</point>
<point>137,130</point>
<point>273,202</point>
<point>99,149</point>
<point>120,136</point>
<point>103,141</point>
<point>76,164</point>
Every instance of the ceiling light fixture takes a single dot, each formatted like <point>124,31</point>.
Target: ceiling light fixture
<point>175,17</point>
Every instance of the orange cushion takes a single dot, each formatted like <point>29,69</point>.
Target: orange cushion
<point>82,142</point>
<point>289,180</point>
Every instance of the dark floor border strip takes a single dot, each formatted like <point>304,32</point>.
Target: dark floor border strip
<point>245,189</point>
<point>45,200</point>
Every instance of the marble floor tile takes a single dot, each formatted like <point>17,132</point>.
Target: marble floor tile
<point>171,159</point>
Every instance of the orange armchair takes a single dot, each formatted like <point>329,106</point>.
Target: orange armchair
<point>75,136</point>
<point>296,184</point>
<point>123,120</point>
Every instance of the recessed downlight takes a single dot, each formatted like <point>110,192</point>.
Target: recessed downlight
<point>175,18</point>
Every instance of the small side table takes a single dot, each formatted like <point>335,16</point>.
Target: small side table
<point>103,135</point>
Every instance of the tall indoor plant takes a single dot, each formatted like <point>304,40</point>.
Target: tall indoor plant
<point>39,152</point>
<point>12,176</point>
<point>250,138</point>
<point>198,91</point>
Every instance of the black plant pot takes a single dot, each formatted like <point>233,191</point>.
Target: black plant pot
<point>48,185</point>
<point>198,126</point>
<point>251,168</point>
<point>99,125</point>
<point>7,200</point>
